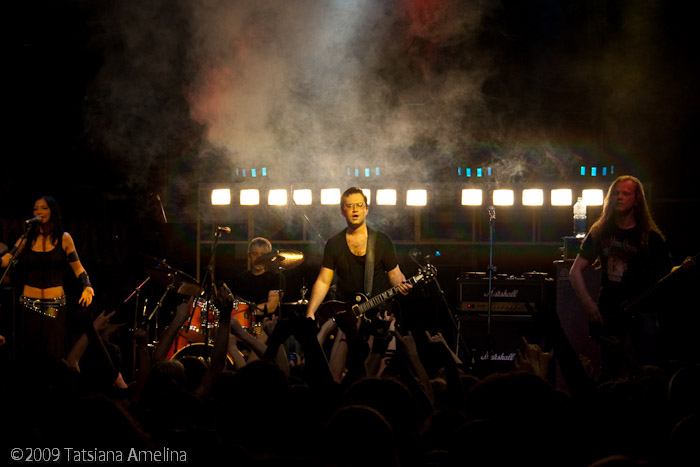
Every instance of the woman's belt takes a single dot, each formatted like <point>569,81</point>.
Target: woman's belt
<point>46,306</point>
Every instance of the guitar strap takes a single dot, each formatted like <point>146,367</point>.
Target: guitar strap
<point>369,260</point>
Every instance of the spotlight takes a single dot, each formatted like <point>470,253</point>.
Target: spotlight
<point>386,197</point>
<point>302,197</point>
<point>592,197</point>
<point>472,197</point>
<point>562,197</point>
<point>416,198</point>
<point>533,197</point>
<point>221,196</point>
<point>330,196</point>
<point>368,193</point>
<point>250,197</point>
<point>503,197</point>
<point>277,197</point>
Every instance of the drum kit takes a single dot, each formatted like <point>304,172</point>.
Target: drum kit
<point>196,336</point>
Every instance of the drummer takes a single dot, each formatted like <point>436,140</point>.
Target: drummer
<point>256,285</point>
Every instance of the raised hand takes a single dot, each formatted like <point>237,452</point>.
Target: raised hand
<point>534,361</point>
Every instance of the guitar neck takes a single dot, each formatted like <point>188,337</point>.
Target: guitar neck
<point>633,303</point>
<point>384,296</point>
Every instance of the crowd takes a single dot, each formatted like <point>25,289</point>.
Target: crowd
<point>392,400</point>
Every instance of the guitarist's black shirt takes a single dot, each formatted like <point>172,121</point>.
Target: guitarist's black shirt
<point>629,264</point>
<point>350,269</point>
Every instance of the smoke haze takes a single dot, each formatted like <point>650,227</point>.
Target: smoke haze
<point>177,93</point>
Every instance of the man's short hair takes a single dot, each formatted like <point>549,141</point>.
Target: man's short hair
<point>261,242</point>
<point>353,190</point>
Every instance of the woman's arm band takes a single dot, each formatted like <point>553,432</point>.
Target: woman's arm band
<point>84,280</point>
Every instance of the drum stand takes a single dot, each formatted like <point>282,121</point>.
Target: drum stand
<point>137,292</point>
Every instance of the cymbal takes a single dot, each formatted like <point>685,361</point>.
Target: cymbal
<point>152,261</point>
<point>168,276</point>
<point>280,259</point>
<point>297,303</point>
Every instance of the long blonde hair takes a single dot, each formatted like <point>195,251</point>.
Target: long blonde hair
<point>642,216</point>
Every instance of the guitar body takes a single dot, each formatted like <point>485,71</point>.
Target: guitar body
<point>335,309</point>
<point>346,314</point>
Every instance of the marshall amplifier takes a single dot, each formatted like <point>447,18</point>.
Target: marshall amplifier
<point>495,342</point>
<point>509,294</point>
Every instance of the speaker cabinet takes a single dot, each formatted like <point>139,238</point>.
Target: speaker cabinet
<point>495,351</point>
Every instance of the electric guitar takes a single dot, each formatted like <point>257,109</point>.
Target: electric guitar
<point>631,305</point>
<point>347,313</point>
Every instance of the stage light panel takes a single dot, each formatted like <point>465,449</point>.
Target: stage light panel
<point>368,193</point>
<point>220,196</point>
<point>503,197</point>
<point>386,197</point>
<point>277,197</point>
<point>302,197</point>
<point>250,197</point>
<point>472,197</point>
<point>561,197</point>
<point>330,196</point>
<point>416,197</point>
<point>593,197</point>
<point>533,197</point>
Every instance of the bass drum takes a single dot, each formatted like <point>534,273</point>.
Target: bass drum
<point>201,351</point>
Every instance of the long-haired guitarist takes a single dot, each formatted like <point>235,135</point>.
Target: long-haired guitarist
<point>344,256</point>
<point>633,255</point>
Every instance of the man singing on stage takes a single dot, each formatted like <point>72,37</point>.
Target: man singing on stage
<point>345,254</point>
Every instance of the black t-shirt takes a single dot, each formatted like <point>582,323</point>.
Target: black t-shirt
<point>629,264</point>
<point>44,269</point>
<point>256,288</point>
<point>350,269</point>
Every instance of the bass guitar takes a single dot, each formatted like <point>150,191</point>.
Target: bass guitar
<point>347,313</point>
<point>631,305</point>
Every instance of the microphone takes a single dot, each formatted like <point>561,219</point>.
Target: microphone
<point>492,213</point>
<point>224,229</point>
<point>33,220</point>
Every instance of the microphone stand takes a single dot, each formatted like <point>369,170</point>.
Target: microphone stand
<point>204,324</point>
<point>443,297</point>
<point>13,260</point>
<point>10,264</point>
<point>137,292</point>
<point>492,269</point>
<point>280,269</point>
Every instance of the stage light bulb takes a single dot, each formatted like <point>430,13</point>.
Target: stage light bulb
<point>250,197</point>
<point>472,197</point>
<point>220,196</point>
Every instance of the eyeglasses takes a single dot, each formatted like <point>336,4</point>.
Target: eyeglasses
<point>351,205</point>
